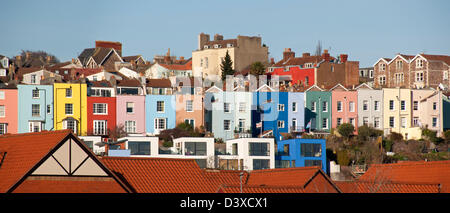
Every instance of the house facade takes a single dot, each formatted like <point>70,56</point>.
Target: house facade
<point>35,108</point>
<point>101,109</point>
<point>130,113</point>
<point>318,110</point>
<point>159,113</point>
<point>248,154</point>
<point>70,107</point>
<point>370,107</point>
<point>301,153</point>
<point>8,110</point>
<point>427,109</point>
<point>345,107</point>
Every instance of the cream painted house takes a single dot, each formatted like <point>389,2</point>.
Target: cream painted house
<point>243,50</point>
<point>397,113</point>
<point>427,109</point>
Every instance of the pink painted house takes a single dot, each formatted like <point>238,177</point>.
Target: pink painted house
<point>8,110</point>
<point>344,106</point>
<point>131,113</point>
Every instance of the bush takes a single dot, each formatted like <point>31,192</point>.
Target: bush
<point>342,158</point>
<point>396,137</point>
<point>387,144</point>
<point>346,129</point>
<point>364,132</point>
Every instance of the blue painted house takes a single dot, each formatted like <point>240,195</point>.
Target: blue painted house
<point>35,108</point>
<point>279,112</point>
<point>301,153</point>
<point>159,113</point>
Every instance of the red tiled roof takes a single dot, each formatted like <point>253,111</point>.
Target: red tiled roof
<point>385,187</point>
<point>126,82</point>
<point>437,172</point>
<point>159,83</point>
<point>21,156</point>
<point>298,176</point>
<point>161,175</point>
<point>299,61</point>
<point>23,152</point>
<point>443,58</point>
<point>186,66</point>
<point>260,189</point>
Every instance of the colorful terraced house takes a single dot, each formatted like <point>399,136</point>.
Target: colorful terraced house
<point>70,107</point>
<point>8,110</point>
<point>35,108</point>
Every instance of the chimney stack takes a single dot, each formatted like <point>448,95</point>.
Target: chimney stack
<point>27,56</point>
<point>218,37</point>
<point>202,40</point>
<point>306,55</point>
<point>272,60</point>
<point>288,53</point>
<point>344,58</point>
<point>326,55</point>
<point>49,58</point>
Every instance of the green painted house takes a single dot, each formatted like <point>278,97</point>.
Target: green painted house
<point>317,110</point>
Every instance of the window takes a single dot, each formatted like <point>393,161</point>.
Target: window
<point>260,164</point>
<point>160,106</point>
<point>2,111</point>
<point>325,106</point>
<point>351,121</point>
<point>226,125</point>
<point>280,124</point>
<point>338,121</point>
<point>100,127</point>
<point>434,122</point>
<point>127,91</point>
<point>434,105</point>
<point>382,67</point>
<point>339,106</point>
<point>35,93</point>
<point>391,122</point>
<point>241,125</point>
<point>382,80</point>
<point>35,110</point>
<point>391,105</point>
<point>195,148</point>
<point>190,122</point>
<point>189,107</point>
<point>415,121</point>
<point>139,148</point>
<point>313,163</point>
<point>403,105</point>
<point>365,105</point>
<point>89,144</point>
<point>160,123</point>
<point>242,107</point>
<point>308,65</point>
<point>294,124</point>
<point>365,121</point>
<point>403,122</point>
<point>69,109</point>
<point>49,109</point>
<point>419,63</point>
<point>229,45</point>
<point>445,75</point>
<point>94,78</point>
<point>376,105</point>
<point>376,122</point>
<point>33,79</point>
<point>130,126</point>
<point>101,109</point>
<point>206,62</point>
<point>70,124</point>
<point>35,126</point>
<point>311,150</point>
<point>415,105</point>
<point>351,106</point>
<point>399,78</point>
<point>294,106</point>
<point>282,164</point>
<point>280,107</point>
<point>2,95</point>
<point>419,76</point>
<point>226,107</point>
<point>100,92</point>
<point>130,107</point>
<point>201,163</point>
<point>399,64</point>
<point>370,73</point>
<point>313,106</point>
<point>325,123</point>
<point>258,149</point>
<point>3,129</point>
<point>68,93</point>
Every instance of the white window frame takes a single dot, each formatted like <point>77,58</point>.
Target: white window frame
<point>100,131</point>
<point>225,126</point>
<point>226,107</point>
<point>35,112</point>
<point>376,105</point>
<point>393,105</point>
<point>33,125</point>
<point>189,105</point>
<point>365,105</point>
<point>403,105</point>
<point>326,123</point>
<point>351,106</point>
<point>2,111</point>
<point>382,80</point>
<point>382,67</point>
<point>419,63</point>
<point>434,121</point>
<point>280,107</point>
<point>376,122</point>
<point>2,95</point>
<point>313,106</point>
<point>69,92</point>
<point>35,94</point>
<point>419,76</point>
<point>160,106</point>
<point>324,106</point>
<point>75,125</point>
<point>280,124</point>
<point>242,107</point>
<point>129,105</point>
<point>392,118</point>
<point>338,121</point>
<point>160,123</point>
<point>339,106</point>
<point>3,128</point>
<point>65,108</point>
<point>95,109</point>
<point>403,122</point>
<point>130,126</point>
<point>294,106</point>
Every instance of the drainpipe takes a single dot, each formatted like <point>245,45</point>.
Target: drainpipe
<point>45,104</point>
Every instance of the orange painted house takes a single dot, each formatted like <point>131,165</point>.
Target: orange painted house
<point>8,110</point>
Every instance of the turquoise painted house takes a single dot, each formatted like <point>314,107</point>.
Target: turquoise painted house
<point>35,108</point>
<point>318,110</point>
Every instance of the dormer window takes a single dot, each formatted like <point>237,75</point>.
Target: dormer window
<point>206,47</point>
<point>217,46</point>
<point>419,63</point>
<point>308,65</point>
<point>229,45</point>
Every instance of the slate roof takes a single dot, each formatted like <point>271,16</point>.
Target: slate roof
<point>159,83</point>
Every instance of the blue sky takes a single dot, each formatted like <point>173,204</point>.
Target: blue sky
<point>366,30</point>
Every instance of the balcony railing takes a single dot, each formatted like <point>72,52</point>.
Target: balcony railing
<point>297,129</point>
<point>170,151</point>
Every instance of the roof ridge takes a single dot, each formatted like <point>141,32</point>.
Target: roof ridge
<point>146,158</point>
<point>262,185</point>
<point>35,133</point>
<point>285,169</point>
<point>391,182</point>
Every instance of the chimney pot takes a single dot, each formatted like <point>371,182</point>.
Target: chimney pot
<point>344,58</point>
<point>288,53</point>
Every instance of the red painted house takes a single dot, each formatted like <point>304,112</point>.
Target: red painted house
<point>101,109</point>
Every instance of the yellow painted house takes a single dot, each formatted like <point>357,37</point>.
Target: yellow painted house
<point>397,113</point>
<point>70,103</point>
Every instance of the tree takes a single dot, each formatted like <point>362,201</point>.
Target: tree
<point>365,132</point>
<point>257,69</point>
<point>227,66</point>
